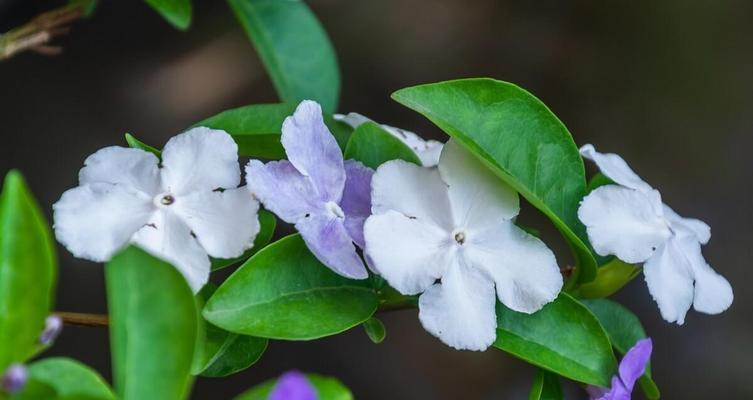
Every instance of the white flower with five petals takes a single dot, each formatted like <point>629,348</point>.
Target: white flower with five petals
<point>629,220</point>
<point>173,210</point>
<point>455,224</point>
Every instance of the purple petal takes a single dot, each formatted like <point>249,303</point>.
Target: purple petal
<point>293,385</point>
<point>356,201</point>
<point>313,151</point>
<point>282,189</point>
<point>326,237</point>
<point>634,362</point>
<point>14,378</point>
<point>616,392</point>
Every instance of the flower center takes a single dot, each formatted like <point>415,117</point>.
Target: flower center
<point>335,209</point>
<point>164,199</point>
<point>459,236</point>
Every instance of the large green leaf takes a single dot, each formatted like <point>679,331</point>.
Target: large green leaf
<point>373,146</point>
<point>221,353</point>
<point>63,379</point>
<point>176,12</point>
<point>28,271</point>
<point>624,329</point>
<point>268,223</point>
<point>521,140</point>
<point>546,386</point>
<point>564,337</point>
<point>256,128</point>
<point>294,48</point>
<point>284,292</point>
<point>153,327</point>
<point>326,389</point>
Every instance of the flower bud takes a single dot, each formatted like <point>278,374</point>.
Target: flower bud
<point>52,327</point>
<point>14,379</point>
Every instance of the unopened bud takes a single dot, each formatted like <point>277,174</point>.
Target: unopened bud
<point>14,379</point>
<point>52,327</point>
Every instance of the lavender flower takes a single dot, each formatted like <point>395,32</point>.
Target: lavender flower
<point>14,379</point>
<point>52,327</point>
<point>631,368</point>
<point>293,385</point>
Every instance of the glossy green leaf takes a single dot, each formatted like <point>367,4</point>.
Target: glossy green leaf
<point>375,330</point>
<point>28,271</point>
<point>521,140</point>
<point>610,278</point>
<point>176,12</point>
<point>624,330</point>
<point>153,327</point>
<point>326,389</point>
<point>256,128</point>
<point>564,337</point>
<point>63,379</point>
<point>373,146</point>
<point>268,223</point>
<point>284,292</point>
<point>546,386</point>
<point>222,353</point>
<point>294,48</point>
<point>138,144</point>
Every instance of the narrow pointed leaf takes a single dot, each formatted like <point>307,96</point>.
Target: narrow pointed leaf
<point>610,278</point>
<point>546,386</point>
<point>375,330</point>
<point>28,271</point>
<point>176,12</point>
<point>521,140</point>
<point>326,389</point>
<point>373,146</point>
<point>63,379</point>
<point>138,144</point>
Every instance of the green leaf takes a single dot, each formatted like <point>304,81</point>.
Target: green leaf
<point>63,379</point>
<point>375,330</point>
<point>546,386</point>
<point>598,181</point>
<point>624,330</point>
<point>294,48</point>
<point>326,389</point>
<point>256,128</point>
<point>268,223</point>
<point>138,144</point>
<point>284,292</point>
<point>176,12</point>
<point>610,278</point>
<point>222,353</point>
<point>373,146</point>
<point>564,337</point>
<point>153,326</point>
<point>28,271</point>
<point>520,139</point>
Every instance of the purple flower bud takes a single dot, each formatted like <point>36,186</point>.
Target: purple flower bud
<point>14,379</point>
<point>52,327</point>
<point>293,385</point>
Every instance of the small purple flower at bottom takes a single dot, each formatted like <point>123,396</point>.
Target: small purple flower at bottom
<point>52,327</point>
<point>328,199</point>
<point>14,379</point>
<point>631,368</point>
<point>293,385</point>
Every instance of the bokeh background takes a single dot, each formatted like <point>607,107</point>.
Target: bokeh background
<point>666,84</point>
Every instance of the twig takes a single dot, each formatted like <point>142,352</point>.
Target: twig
<point>37,33</point>
<point>83,319</point>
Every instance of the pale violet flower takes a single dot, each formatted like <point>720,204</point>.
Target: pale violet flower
<point>455,224</point>
<point>174,210</point>
<point>632,366</point>
<point>14,379</point>
<point>427,150</point>
<point>629,220</point>
<point>325,197</point>
<point>293,385</point>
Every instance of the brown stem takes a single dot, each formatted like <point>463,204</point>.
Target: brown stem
<point>82,319</point>
<point>37,33</point>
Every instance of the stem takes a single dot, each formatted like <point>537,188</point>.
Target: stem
<point>36,34</point>
<point>83,319</point>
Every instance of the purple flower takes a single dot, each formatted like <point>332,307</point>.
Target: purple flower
<point>326,198</point>
<point>52,327</point>
<point>631,368</point>
<point>14,378</point>
<point>293,385</point>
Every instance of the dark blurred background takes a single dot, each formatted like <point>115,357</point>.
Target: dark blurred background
<point>668,84</point>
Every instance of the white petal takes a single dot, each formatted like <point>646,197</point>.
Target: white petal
<point>522,266</point>
<point>200,159</point>
<point>478,197</point>
<point>623,222</point>
<point>95,221</point>
<point>712,292</point>
<point>615,168</point>
<point>134,168</point>
<point>410,253</point>
<point>697,227</point>
<point>414,191</point>
<point>225,223</point>
<point>460,310</point>
<point>168,238</point>
<point>353,119</point>
<point>669,277</point>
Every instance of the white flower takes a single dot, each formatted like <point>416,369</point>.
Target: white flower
<point>629,220</point>
<point>427,150</point>
<point>174,211</point>
<point>454,223</point>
